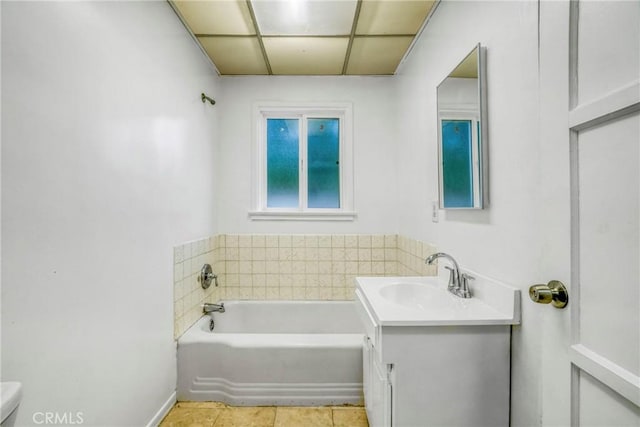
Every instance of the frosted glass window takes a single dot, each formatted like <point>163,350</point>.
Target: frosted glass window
<point>283,149</point>
<point>304,162</point>
<point>457,162</point>
<point>323,163</point>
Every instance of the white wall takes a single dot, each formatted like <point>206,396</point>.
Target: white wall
<point>502,241</point>
<point>375,145</point>
<point>106,165</point>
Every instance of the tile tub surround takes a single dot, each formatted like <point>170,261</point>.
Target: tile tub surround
<point>288,267</point>
<point>218,415</point>
<point>188,295</point>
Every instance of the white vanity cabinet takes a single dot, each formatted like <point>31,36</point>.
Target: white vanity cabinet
<point>376,376</point>
<point>426,373</point>
<point>377,387</point>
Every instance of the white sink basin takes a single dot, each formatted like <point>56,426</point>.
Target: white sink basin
<point>413,295</point>
<point>425,301</point>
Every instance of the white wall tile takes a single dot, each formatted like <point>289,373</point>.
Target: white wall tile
<point>272,241</point>
<point>258,241</point>
<point>350,241</point>
<point>178,254</point>
<point>325,241</point>
<point>245,241</point>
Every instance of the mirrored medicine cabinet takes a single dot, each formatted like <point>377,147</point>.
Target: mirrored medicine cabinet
<point>462,134</point>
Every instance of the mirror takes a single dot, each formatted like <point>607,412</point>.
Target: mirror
<point>462,135</point>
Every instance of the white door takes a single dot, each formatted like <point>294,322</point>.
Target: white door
<point>590,189</point>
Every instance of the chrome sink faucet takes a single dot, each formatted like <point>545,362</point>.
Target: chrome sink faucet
<point>210,308</point>
<point>458,283</point>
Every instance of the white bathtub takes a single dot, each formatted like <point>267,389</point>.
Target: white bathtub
<point>274,353</point>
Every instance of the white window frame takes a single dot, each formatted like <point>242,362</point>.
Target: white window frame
<point>265,110</point>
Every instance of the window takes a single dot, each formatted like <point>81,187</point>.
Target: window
<point>459,159</point>
<point>303,162</point>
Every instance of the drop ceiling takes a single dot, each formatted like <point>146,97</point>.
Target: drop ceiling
<point>304,37</point>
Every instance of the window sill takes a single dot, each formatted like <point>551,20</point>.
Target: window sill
<point>302,216</point>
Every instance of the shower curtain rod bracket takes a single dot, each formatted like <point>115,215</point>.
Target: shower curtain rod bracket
<point>206,98</point>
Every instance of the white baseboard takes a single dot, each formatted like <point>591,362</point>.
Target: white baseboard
<point>163,411</point>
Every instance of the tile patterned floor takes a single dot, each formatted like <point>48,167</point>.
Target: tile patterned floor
<point>215,414</point>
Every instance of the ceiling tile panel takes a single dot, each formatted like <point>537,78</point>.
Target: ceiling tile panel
<point>306,55</point>
<point>304,37</point>
<point>377,55</point>
<point>227,17</point>
<point>379,17</point>
<point>304,17</point>
<point>235,55</point>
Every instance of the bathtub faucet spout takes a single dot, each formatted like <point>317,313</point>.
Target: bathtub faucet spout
<point>210,308</point>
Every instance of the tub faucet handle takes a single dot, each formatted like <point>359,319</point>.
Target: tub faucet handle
<point>207,276</point>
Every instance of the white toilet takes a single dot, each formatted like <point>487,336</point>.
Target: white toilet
<point>10,395</point>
